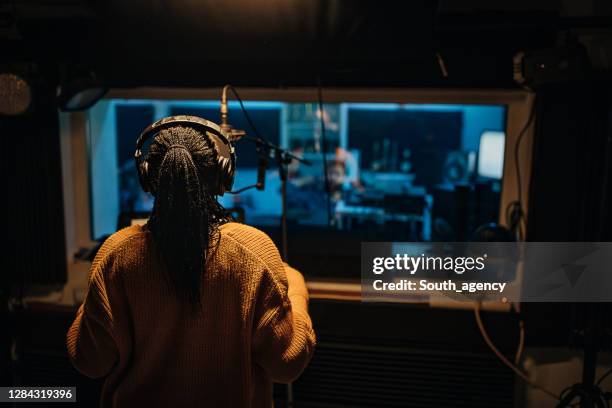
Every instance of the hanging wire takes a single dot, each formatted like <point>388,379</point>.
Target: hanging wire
<point>515,215</point>
<point>503,358</point>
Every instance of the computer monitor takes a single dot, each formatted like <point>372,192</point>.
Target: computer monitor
<point>491,155</point>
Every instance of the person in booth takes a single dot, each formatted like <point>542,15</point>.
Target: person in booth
<point>191,309</point>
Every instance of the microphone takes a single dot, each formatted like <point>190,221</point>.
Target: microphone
<point>232,134</point>
<point>262,165</point>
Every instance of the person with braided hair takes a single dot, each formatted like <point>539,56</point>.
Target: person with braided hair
<point>191,309</point>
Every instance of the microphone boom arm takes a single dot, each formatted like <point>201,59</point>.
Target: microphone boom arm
<point>277,149</point>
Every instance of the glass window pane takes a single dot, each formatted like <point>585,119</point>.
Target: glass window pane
<point>402,172</point>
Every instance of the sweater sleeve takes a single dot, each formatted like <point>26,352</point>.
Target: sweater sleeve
<point>90,339</point>
<point>284,340</point>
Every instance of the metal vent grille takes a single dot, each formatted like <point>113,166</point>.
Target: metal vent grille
<point>348,375</point>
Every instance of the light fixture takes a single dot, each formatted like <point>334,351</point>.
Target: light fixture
<point>15,94</point>
<point>80,93</point>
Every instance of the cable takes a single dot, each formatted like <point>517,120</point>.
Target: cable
<point>514,211</point>
<point>503,358</point>
<point>603,377</point>
<point>514,215</point>
<point>521,345</point>
<point>243,189</point>
<point>246,113</point>
<point>324,153</point>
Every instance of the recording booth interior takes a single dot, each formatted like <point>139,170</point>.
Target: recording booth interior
<point>423,122</point>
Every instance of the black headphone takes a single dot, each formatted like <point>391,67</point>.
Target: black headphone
<point>221,143</point>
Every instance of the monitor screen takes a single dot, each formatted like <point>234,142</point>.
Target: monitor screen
<point>491,154</point>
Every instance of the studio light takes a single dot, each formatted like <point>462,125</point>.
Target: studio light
<point>15,94</point>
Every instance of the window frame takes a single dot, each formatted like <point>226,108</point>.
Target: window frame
<point>74,137</point>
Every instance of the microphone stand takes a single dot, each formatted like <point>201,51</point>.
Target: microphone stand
<point>283,158</point>
<point>283,163</point>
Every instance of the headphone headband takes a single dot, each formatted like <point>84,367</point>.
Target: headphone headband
<point>220,141</point>
<point>185,120</point>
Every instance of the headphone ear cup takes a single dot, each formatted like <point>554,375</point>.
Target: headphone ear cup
<point>226,161</point>
<point>226,175</point>
<point>231,169</point>
<point>229,175</point>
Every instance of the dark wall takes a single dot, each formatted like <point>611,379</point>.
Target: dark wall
<point>32,188</point>
<point>570,194</point>
<point>571,186</point>
<point>34,250</point>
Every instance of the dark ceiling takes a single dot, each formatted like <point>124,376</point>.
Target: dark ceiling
<point>296,42</point>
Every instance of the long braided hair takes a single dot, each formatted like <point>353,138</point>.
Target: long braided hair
<point>186,214</point>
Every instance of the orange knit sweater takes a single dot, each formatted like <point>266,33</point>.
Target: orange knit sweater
<point>253,327</point>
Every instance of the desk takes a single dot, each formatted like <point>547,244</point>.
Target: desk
<point>345,214</point>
